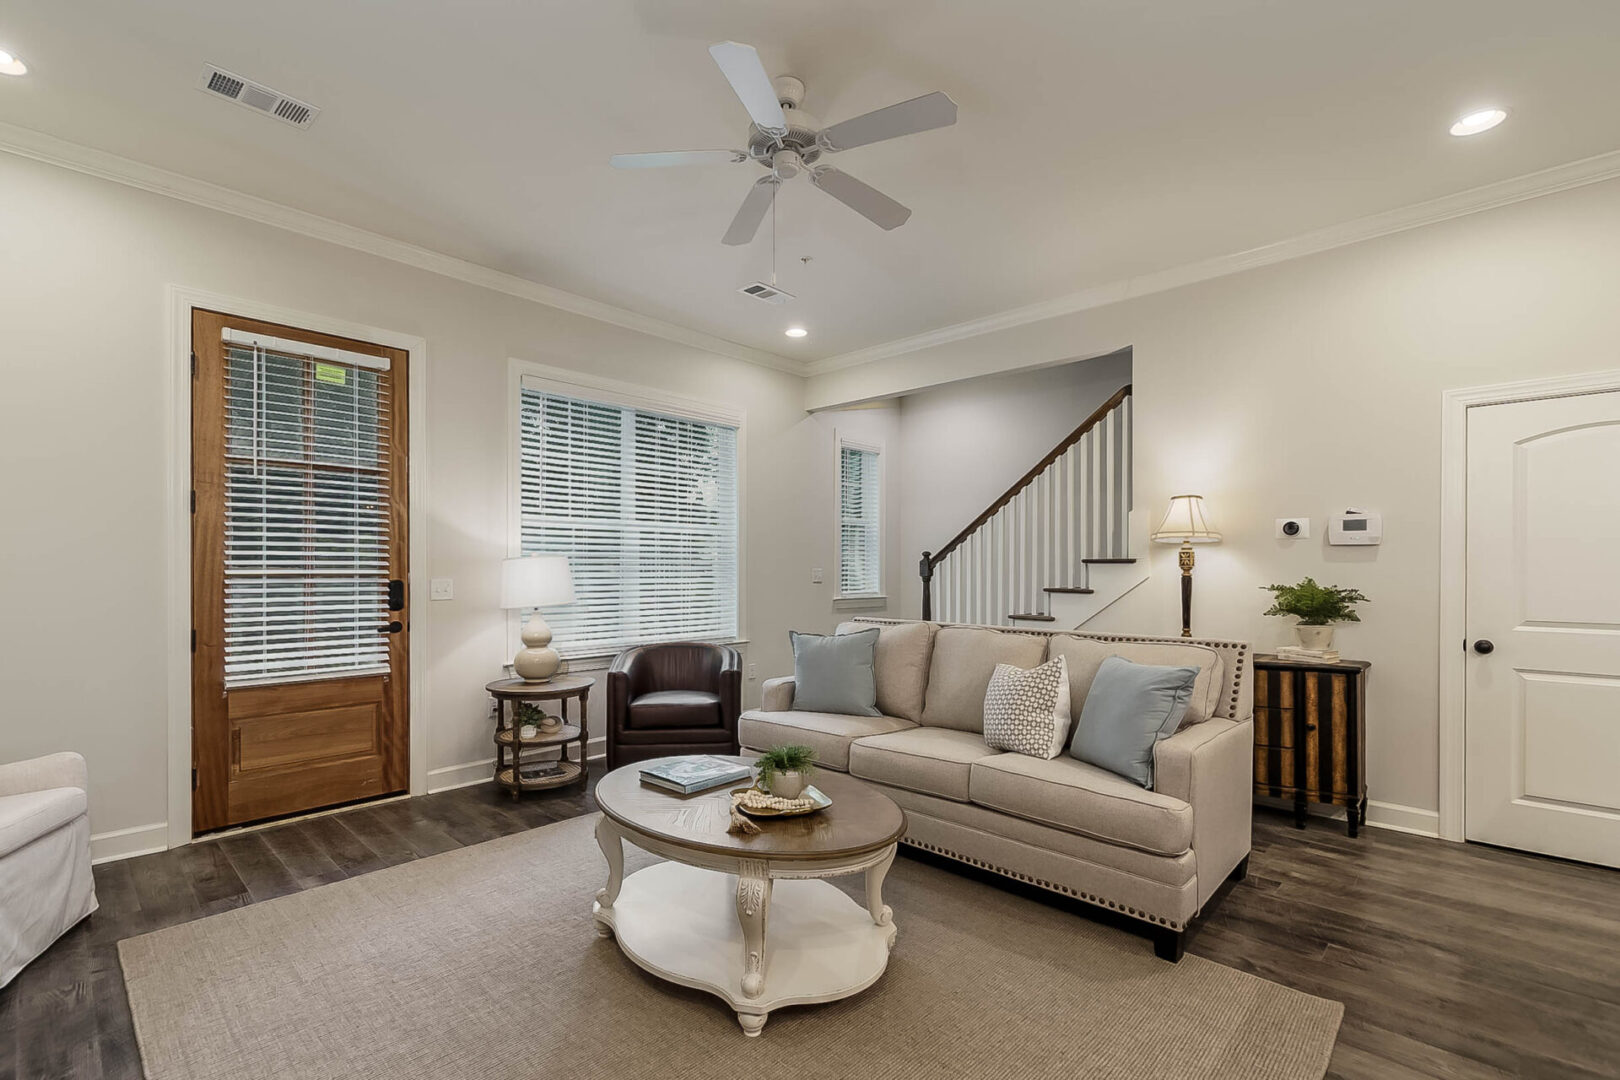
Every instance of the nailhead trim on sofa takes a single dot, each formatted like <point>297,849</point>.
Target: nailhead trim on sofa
<point>1050,886</point>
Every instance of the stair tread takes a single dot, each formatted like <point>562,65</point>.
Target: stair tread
<point>1067,589</point>
<point>1107,560</point>
<point>1035,618</point>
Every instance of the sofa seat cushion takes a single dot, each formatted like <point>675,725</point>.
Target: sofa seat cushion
<point>934,761</point>
<point>964,659</point>
<point>1081,798</point>
<point>26,817</point>
<point>675,709</point>
<point>828,734</point>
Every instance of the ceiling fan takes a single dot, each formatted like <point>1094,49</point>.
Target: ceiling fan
<point>787,141</point>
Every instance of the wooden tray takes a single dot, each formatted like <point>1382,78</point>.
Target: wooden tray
<point>818,802</point>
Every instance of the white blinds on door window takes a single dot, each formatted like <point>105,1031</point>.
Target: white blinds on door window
<point>859,535</point>
<point>306,511</point>
<point>645,508</point>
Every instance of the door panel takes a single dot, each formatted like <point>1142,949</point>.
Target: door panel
<point>1543,706</point>
<point>299,678</point>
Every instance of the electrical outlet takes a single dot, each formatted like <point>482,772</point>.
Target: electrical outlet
<point>1296,528</point>
<point>442,588</point>
<point>752,674</point>
<point>815,576</point>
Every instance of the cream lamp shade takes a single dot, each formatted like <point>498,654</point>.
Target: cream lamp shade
<point>1185,524</point>
<point>536,581</point>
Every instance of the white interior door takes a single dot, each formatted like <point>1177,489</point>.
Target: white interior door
<point>1543,696</point>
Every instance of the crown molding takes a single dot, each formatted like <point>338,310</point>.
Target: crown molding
<point>51,150</point>
<point>1575,174</point>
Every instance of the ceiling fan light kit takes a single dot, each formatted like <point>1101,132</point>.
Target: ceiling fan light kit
<point>788,141</point>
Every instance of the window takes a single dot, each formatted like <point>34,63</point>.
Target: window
<point>860,520</point>
<point>643,503</point>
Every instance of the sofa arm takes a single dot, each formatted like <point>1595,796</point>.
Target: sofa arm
<point>1211,766</point>
<point>66,769</point>
<point>777,695</point>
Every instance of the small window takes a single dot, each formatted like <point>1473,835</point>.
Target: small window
<point>860,519</point>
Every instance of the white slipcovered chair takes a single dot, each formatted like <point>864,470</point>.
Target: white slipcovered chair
<point>45,882</point>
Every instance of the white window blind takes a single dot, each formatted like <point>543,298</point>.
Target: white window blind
<point>860,533</point>
<point>644,506</point>
<point>306,511</point>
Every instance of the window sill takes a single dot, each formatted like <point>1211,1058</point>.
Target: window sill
<point>860,603</point>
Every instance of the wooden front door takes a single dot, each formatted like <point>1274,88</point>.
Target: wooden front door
<point>1543,689</point>
<point>300,605</point>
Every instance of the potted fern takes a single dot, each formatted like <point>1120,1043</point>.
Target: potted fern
<point>1317,607</point>
<point>785,770</point>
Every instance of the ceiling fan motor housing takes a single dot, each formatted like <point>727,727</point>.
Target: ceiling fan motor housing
<point>801,132</point>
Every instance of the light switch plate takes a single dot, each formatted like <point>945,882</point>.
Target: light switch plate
<point>442,588</point>
<point>815,576</point>
<point>1302,532</point>
<point>751,673</point>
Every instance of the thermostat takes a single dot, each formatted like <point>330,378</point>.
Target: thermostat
<point>1356,528</point>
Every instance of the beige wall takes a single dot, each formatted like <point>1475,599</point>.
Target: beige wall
<point>1315,385</point>
<point>83,469</point>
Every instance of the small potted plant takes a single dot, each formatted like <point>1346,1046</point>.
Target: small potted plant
<point>1318,607</point>
<point>785,770</point>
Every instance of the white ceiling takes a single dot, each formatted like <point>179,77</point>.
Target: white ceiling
<point>1098,139</point>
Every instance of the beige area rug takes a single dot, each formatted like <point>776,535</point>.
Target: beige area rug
<point>483,962</point>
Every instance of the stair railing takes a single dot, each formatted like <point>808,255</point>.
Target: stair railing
<point>1072,508</point>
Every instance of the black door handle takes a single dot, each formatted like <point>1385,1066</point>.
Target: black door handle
<point>392,628</point>
<point>1483,646</point>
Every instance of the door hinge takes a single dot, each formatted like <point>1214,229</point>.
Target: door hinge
<point>193,500</point>
<point>193,365</point>
<point>194,778</point>
<point>193,639</point>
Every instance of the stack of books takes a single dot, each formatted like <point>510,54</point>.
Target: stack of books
<point>1318,656</point>
<point>688,775</point>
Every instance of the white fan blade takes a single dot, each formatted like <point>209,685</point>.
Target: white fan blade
<point>864,199</point>
<point>664,158</point>
<point>752,212</point>
<point>924,113</point>
<point>741,66</point>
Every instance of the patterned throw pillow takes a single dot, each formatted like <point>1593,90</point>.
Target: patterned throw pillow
<point>1027,711</point>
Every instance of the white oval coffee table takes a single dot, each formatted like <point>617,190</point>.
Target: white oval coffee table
<point>750,919</point>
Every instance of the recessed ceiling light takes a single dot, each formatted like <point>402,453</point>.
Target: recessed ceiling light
<point>795,331</point>
<point>1476,122</point>
<point>10,65</point>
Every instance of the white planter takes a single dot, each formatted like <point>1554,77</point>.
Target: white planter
<point>787,785</point>
<point>1315,637</point>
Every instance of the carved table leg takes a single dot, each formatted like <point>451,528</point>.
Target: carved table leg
<point>608,839</point>
<point>753,906</point>
<point>882,914</point>
<point>752,1023</point>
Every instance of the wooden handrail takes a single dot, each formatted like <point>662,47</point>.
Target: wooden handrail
<point>933,559</point>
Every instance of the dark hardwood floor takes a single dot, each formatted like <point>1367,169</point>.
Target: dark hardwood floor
<point>1453,961</point>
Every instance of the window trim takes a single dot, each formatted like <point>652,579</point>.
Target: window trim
<point>568,382</point>
<point>874,446</point>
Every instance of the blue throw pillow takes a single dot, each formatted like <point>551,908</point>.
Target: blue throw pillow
<point>1128,709</point>
<point>835,673</point>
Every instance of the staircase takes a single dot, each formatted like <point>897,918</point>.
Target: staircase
<point>1055,547</point>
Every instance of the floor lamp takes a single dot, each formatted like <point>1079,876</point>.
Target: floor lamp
<point>1184,523</point>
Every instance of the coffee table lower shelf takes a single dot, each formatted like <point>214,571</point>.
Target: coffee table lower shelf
<point>681,923</point>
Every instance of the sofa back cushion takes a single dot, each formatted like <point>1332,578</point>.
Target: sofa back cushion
<point>964,659</point>
<point>1085,655</point>
<point>903,651</point>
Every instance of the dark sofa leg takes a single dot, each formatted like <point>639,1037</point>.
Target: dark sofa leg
<point>1169,944</point>
<point>1240,871</point>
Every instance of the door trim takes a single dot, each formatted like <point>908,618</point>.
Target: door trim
<point>1454,406</point>
<point>177,447</point>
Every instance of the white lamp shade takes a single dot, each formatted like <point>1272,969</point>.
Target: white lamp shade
<point>1185,521</point>
<point>536,581</point>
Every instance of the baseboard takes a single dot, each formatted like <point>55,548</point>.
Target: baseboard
<point>128,843</point>
<point>1380,815</point>
<point>468,773</point>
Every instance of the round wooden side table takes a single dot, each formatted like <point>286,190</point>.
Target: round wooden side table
<point>510,743</point>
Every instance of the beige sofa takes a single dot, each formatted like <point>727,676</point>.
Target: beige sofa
<point>1062,824</point>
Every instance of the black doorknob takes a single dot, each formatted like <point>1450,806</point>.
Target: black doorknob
<point>1483,646</point>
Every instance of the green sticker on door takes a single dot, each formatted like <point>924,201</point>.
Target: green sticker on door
<point>336,374</point>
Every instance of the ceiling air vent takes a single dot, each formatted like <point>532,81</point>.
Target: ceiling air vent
<point>768,293</point>
<point>256,97</point>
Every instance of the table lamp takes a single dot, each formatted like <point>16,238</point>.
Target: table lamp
<point>536,581</point>
<point>1184,523</point>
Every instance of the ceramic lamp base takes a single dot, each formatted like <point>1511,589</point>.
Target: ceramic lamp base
<point>537,661</point>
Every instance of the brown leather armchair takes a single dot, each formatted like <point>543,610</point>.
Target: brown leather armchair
<point>681,697</point>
